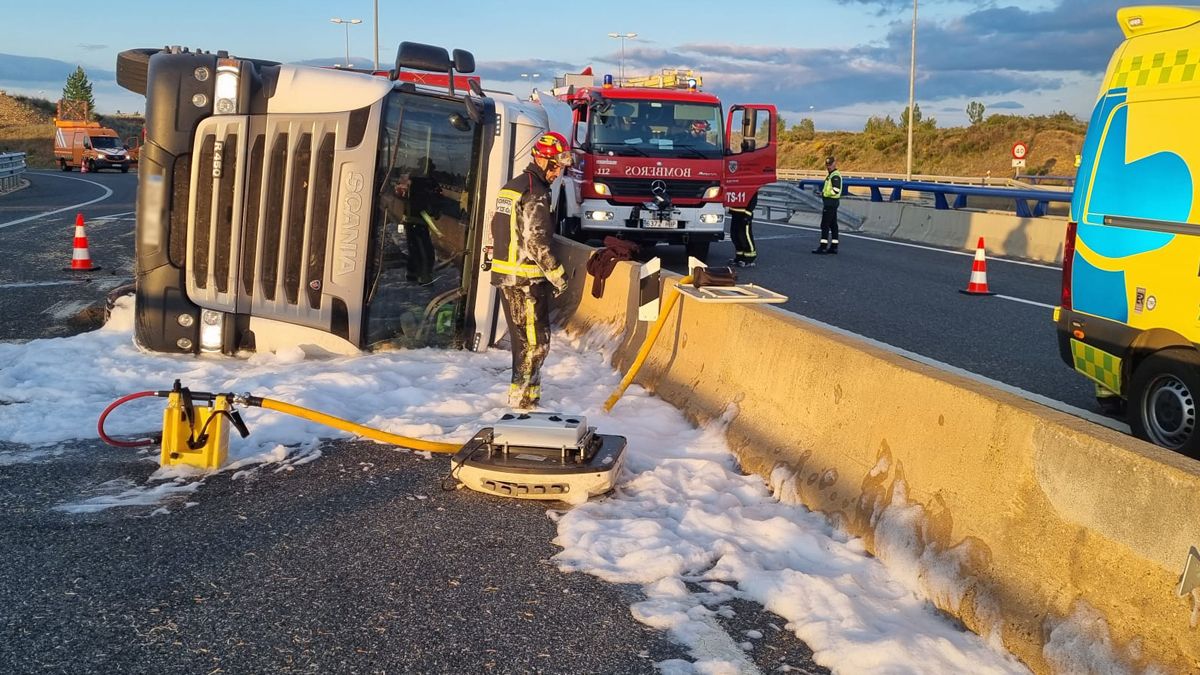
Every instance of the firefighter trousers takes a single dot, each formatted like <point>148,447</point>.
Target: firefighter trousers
<point>527,309</point>
<point>741,230</point>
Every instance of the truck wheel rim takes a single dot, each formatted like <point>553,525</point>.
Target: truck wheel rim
<point>1169,412</point>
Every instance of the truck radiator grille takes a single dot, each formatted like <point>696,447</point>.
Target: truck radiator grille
<point>261,249</point>
<point>640,187</point>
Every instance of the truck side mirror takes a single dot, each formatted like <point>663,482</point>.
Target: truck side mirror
<point>747,145</point>
<point>87,145</point>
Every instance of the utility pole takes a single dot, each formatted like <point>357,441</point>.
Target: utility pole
<point>912,79</point>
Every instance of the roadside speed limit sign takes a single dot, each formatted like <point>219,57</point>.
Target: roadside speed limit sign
<point>1019,150</point>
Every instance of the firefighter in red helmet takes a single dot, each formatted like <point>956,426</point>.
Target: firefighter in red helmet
<point>523,266</point>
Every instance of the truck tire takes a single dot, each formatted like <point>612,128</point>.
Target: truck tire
<point>62,164</point>
<point>1163,400</point>
<point>132,67</point>
<point>698,249</point>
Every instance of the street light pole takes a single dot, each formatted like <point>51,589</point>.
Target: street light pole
<point>912,78</point>
<point>347,23</point>
<point>376,35</point>
<point>622,37</point>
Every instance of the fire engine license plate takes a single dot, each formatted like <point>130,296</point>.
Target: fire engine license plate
<point>660,222</point>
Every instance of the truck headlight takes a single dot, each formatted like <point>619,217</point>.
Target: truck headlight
<point>601,189</point>
<point>212,326</point>
<point>225,90</point>
<point>712,192</point>
<point>711,218</point>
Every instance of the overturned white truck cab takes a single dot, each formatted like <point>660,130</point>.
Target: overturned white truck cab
<point>288,205</point>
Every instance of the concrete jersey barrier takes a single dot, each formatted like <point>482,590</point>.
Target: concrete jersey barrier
<point>1026,523</point>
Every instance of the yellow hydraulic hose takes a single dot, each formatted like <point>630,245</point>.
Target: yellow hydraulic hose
<point>354,428</point>
<point>672,294</point>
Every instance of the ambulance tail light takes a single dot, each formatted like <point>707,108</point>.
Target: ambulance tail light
<point>1067,263</point>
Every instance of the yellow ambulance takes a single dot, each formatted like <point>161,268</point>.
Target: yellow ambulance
<point>1130,313</point>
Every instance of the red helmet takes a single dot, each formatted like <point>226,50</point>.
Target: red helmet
<point>700,126</point>
<point>554,147</point>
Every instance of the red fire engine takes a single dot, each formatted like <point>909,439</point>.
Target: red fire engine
<point>657,160</point>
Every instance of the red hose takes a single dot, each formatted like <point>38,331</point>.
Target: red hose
<point>113,406</point>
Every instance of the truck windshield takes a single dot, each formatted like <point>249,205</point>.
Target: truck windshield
<point>647,128</point>
<point>106,143</point>
<point>425,187</point>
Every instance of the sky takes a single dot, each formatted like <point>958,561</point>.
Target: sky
<point>836,61</point>
<point>684,524</point>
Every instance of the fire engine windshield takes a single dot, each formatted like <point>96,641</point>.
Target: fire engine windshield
<point>642,128</point>
<point>425,184</point>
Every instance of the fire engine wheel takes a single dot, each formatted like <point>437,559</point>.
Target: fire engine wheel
<point>1163,400</point>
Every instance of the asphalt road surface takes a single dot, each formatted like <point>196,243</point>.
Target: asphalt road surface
<point>358,562</point>
<point>908,296</point>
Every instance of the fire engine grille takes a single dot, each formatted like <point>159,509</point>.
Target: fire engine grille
<point>262,249</point>
<point>640,187</point>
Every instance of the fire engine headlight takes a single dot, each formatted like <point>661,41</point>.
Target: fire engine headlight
<point>601,189</point>
<point>225,90</point>
<point>711,218</point>
<point>212,326</point>
<point>599,215</point>
<point>712,192</point>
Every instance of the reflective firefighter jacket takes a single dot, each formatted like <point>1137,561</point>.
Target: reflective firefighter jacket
<point>522,230</point>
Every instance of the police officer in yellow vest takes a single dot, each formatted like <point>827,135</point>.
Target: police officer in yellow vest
<point>524,267</point>
<point>831,196</point>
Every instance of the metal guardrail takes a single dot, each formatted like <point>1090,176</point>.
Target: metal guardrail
<point>12,165</point>
<point>942,191</point>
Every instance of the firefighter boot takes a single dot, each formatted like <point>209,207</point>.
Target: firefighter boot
<point>821,250</point>
<point>833,249</point>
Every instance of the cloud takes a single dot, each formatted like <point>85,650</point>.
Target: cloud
<point>92,48</point>
<point>1006,105</point>
<point>987,52</point>
<point>510,71</point>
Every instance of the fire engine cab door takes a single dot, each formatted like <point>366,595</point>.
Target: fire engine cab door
<point>750,150</point>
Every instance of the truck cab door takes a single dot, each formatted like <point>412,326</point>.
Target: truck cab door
<point>750,152</point>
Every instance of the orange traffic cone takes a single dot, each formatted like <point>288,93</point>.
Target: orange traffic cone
<point>81,260</point>
<point>978,284</point>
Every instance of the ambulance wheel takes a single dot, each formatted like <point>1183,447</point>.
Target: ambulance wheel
<point>698,249</point>
<point>62,164</point>
<point>1163,403</point>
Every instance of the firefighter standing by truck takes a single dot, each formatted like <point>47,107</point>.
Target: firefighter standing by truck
<point>524,267</point>
<point>831,196</point>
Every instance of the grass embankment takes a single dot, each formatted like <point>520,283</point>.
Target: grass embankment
<point>27,125</point>
<point>1053,142</point>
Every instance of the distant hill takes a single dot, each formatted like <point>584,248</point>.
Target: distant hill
<point>1053,142</point>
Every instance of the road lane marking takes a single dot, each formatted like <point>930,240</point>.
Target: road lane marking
<point>1088,415</point>
<point>34,284</point>
<point>893,242</point>
<point>107,193</point>
<point>1027,302</point>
